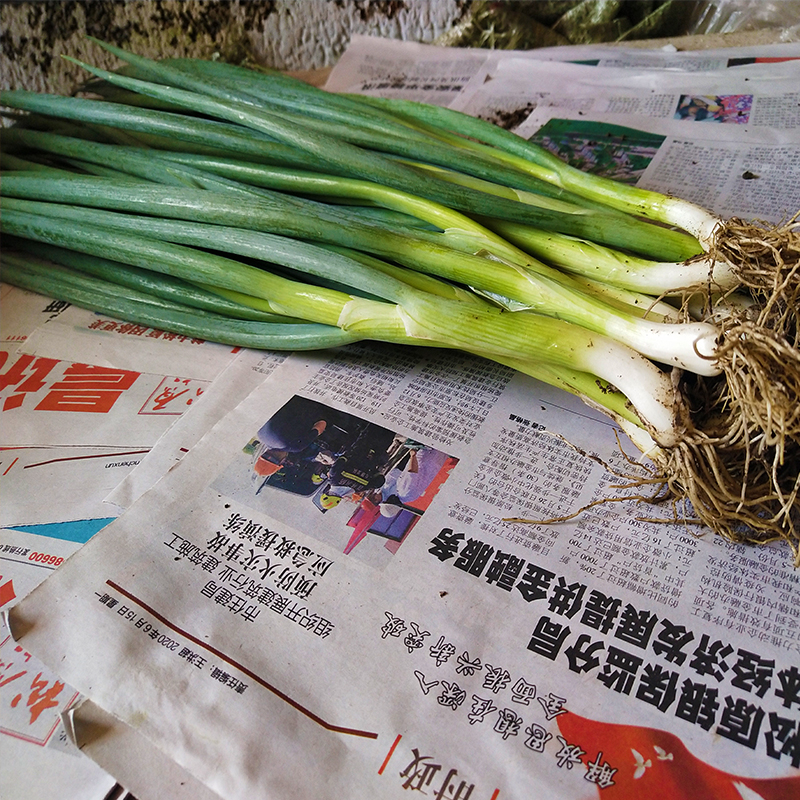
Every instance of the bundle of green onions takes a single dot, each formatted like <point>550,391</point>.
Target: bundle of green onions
<point>249,208</point>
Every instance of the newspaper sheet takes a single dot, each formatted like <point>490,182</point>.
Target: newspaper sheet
<point>409,70</point>
<point>71,377</point>
<point>37,759</point>
<point>664,58</point>
<point>732,177</point>
<point>739,163</point>
<point>68,407</point>
<point>72,429</point>
<point>78,334</point>
<point>404,637</point>
<point>362,622</point>
<point>647,106</point>
<point>74,480</point>
<point>412,71</point>
<point>747,97</point>
<point>249,369</point>
<point>83,399</point>
<point>116,748</point>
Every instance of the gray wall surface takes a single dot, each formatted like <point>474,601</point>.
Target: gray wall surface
<point>283,34</point>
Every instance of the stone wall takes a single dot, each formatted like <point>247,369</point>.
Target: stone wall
<point>290,35</point>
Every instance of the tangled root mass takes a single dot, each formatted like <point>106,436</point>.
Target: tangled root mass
<point>739,464</point>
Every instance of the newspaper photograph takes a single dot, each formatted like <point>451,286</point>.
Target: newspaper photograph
<point>309,450</point>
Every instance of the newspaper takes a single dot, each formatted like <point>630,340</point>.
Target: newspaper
<point>322,597</point>
<point>430,74</point>
<point>713,168</point>
<point>742,159</point>
<point>667,57</point>
<point>103,341</point>
<point>83,399</point>
<point>81,406</point>
<point>113,382</point>
<point>409,637</point>
<point>121,752</point>
<point>80,409</point>
<point>747,97</point>
<point>409,70</point>
<point>249,369</point>
<point>37,759</point>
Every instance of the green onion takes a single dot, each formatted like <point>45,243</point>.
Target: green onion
<point>36,275</point>
<point>331,115</point>
<point>347,159</point>
<point>418,317</point>
<point>583,257</point>
<point>149,283</point>
<point>538,161</point>
<point>690,346</point>
<point>224,195</point>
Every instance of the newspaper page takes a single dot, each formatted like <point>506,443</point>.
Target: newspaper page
<point>753,98</point>
<point>81,406</point>
<point>741,162</point>
<point>727,174</point>
<point>70,399</point>
<point>78,334</point>
<point>75,477</point>
<point>72,429</point>
<point>662,58</point>
<point>431,74</point>
<point>370,602</point>
<point>121,752</point>
<point>37,759</point>
<point>250,368</point>
<point>412,71</point>
<point>117,399</point>
<point>41,395</point>
<point>735,163</point>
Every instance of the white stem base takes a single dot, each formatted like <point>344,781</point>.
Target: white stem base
<point>694,219</point>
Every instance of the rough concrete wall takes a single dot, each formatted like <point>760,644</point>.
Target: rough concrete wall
<point>284,34</point>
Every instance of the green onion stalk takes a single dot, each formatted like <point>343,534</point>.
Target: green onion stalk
<point>690,346</point>
<point>77,287</point>
<point>414,130</point>
<point>414,316</point>
<point>252,209</point>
